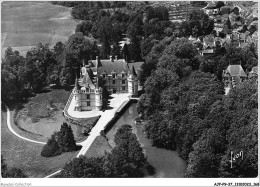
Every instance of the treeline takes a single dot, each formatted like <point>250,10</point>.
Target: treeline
<point>21,76</point>
<point>186,110</point>
<point>111,22</point>
<point>91,4</point>
<point>42,66</point>
<point>126,160</point>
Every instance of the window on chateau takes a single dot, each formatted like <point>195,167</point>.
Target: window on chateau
<point>88,96</point>
<point>104,76</point>
<point>114,82</point>
<point>123,75</point>
<point>123,88</point>
<point>88,103</point>
<point>114,76</point>
<point>123,81</point>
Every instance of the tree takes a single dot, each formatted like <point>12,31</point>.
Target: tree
<point>160,12</point>
<point>147,45</point>
<point>38,60</point>
<point>84,27</point>
<point>12,172</point>
<point>134,31</point>
<point>198,24</point>
<point>51,148</point>
<point>65,138</point>
<point>65,77</point>
<point>235,10</point>
<point>82,46</point>
<point>60,142</point>
<point>83,167</point>
<point>3,167</point>
<point>15,173</point>
<point>104,33</point>
<point>127,158</point>
<point>220,4</point>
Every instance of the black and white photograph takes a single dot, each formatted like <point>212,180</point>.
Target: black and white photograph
<point>129,93</point>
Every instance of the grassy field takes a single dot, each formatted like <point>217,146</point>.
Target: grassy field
<point>26,155</point>
<point>42,115</point>
<point>25,24</point>
<point>98,148</point>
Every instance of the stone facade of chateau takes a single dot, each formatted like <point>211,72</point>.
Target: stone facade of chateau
<point>118,75</point>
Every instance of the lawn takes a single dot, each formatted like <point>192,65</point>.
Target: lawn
<point>26,155</point>
<point>42,115</point>
<point>98,148</point>
<point>25,24</point>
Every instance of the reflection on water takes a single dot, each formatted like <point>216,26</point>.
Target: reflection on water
<point>166,163</point>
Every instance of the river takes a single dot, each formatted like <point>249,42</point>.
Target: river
<point>167,163</point>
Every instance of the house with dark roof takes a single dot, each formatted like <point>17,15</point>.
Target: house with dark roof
<point>233,75</point>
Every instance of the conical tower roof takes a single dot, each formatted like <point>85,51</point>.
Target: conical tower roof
<point>133,72</point>
<point>87,82</point>
<point>76,87</point>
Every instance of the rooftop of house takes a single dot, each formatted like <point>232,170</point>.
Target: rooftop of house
<point>235,70</point>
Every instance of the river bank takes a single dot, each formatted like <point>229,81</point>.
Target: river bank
<point>167,163</point>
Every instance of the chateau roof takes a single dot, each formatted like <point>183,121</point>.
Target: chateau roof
<point>87,82</point>
<point>236,70</point>
<point>117,66</point>
<point>133,71</point>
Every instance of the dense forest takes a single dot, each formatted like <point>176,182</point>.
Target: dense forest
<point>185,108</point>
<point>183,105</point>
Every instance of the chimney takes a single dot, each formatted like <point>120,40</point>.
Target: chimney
<point>83,62</point>
<point>116,57</point>
<point>97,59</point>
<point>111,58</point>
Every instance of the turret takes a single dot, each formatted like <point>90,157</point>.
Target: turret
<point>132,82</point>
<point>98,96</point>
<point>76,92</point>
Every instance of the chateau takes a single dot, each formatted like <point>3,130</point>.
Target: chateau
<point>119,77</point>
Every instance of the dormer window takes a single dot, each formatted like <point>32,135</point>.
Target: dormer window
<point>103,75</point>
<point>123,75</point>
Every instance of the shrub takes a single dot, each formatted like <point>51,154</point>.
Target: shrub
<point>65,138</point>
<point>51,148</point>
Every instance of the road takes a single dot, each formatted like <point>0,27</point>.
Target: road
<point>115,103</point>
